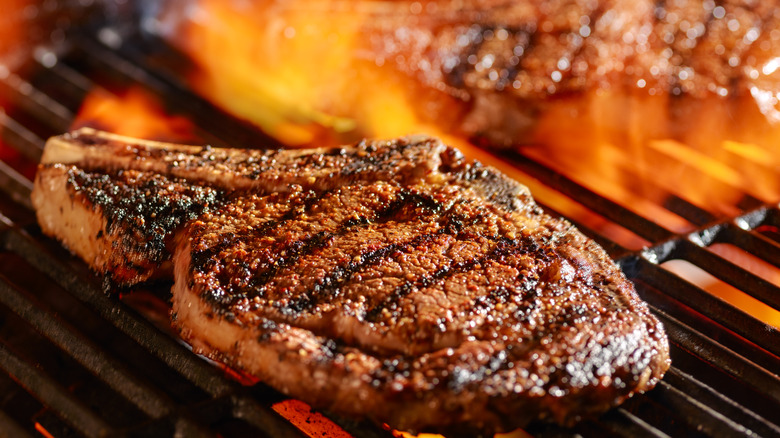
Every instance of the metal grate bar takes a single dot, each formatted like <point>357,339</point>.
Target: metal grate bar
<point>713,307</point>
<point>692,213</point>
<point>737,396</point>
<point>709,351</point>
<point>15,185</point>
<point>115,374</point>
<point>621,421</point>
<point>73,77</point>
<point>702,417</point>
<point>752,242</point>
<point>53,395</point>
<point>168,350</point>
<point>712,397</point>
<point>730,273</point>
<point>36,102</point>
<point>21,138</point>
<point>63,85</point>
<point>669,308</point>
<point>248,409</point>
<point>174,354</point>
<point>613,211</point>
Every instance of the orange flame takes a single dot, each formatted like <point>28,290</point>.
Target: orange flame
<point>627,145</point>
<point>12,26</point>
<point>298,74</point>
<point>293,70</point>
<point>134,112</point>
<point>300,71</point>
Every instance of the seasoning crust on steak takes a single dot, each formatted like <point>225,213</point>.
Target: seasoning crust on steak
<point>395,280</point>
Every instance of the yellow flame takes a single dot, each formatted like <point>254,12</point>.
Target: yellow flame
<point>296,69</point>
<point>133,112</point>
<point>279,68</point>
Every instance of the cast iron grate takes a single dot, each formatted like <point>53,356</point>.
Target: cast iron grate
<point>79,362</point>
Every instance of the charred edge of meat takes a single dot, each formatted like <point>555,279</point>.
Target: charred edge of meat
<point>146,207</point>
<point>334,166</point>
<point>496,187</point>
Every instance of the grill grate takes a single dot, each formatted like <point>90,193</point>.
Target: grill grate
<point>79,362</point>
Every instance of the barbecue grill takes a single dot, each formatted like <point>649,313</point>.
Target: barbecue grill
<point>78,361</point>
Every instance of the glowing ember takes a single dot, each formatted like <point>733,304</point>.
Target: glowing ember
<point>134,112</point>
<point>42,430</point>
<point>515,434</point>
<point>309,422</point>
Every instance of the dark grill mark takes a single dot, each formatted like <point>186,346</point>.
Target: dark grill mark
<point>366,158</point>
<point>206,260</point>
<point>340,275</point>
<point>504,247</point>
<point>331,284</point>
<point>293,252</point>
<point>408,205</point>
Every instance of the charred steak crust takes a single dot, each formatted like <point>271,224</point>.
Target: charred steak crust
<point>422,306</point>
<point>416,287</point>
<point>137,212</point>
<point>115,231</point>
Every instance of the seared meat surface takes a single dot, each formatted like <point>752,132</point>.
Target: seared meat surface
<point>120,222</point>
<point>517,47</point>
<point>116,202</point>
<point>512,62</point>
<point>439,298</point>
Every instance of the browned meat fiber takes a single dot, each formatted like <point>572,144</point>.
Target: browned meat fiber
<point>394,280</point>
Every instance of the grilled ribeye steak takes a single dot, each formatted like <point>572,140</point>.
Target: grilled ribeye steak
<point>116,201</point>
<point>397,281</point>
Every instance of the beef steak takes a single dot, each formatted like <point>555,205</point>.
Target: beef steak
<point>395,280</point>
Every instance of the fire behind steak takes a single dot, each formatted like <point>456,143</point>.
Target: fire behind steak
<point>394,280</point>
